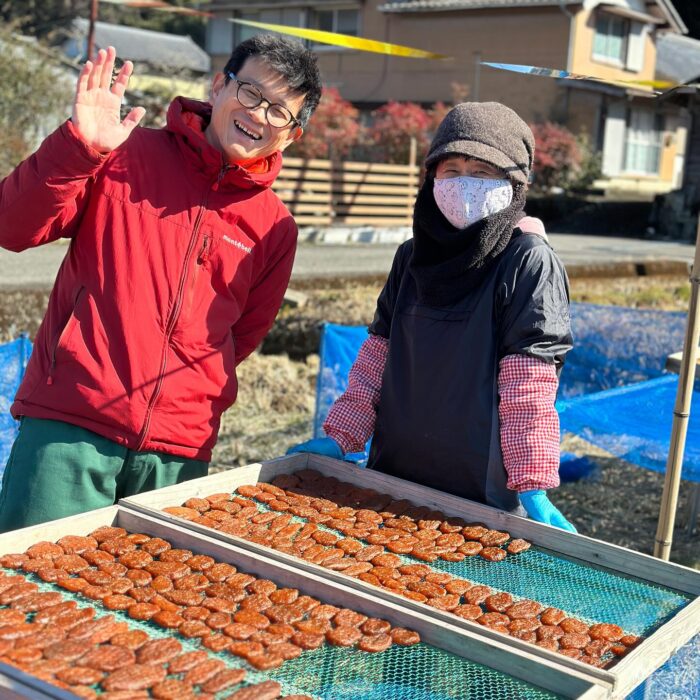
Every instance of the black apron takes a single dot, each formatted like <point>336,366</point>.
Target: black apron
<point>437,419</point>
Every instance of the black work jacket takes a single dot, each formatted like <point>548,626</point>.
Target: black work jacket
<point>437,419</point>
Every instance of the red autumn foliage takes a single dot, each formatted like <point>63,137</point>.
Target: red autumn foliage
<point>335,131</point>
<point>557,155</point>
<point>332,130</point>
<point>394,125</point>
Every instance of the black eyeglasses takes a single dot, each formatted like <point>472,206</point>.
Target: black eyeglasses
<point>250,97</point>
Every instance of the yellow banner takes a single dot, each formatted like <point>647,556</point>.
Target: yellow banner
<point>350,42</point>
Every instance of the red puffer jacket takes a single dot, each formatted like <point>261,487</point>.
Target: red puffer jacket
<point>176,269</point>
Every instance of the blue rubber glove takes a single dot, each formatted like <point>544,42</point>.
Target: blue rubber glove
<point>319,446</point>
<point>540,508</point>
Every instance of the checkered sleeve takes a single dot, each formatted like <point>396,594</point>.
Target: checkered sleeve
<point>527,389</point>
<point>350,422</point>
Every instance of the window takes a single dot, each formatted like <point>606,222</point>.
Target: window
<point>643,142</point>
<point>610,40</point>
<point>340,21</point>
<point>290,16</point>
<point>343,21</point>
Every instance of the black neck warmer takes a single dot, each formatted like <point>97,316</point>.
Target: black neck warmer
<point>447,262</point>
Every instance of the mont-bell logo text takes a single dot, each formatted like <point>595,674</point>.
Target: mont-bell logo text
<point>238,244</point>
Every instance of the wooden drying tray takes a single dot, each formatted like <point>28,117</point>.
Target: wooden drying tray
<point>496,655</point>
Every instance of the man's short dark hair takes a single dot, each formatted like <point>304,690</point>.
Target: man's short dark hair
<point>291,59</point>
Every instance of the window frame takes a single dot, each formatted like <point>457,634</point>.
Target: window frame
<point>653,146</point>
<point>610,20</point>
<point>313,23</point>
<point>242,32</point>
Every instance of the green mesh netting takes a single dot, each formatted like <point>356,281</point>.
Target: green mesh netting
<point>592,594</point>
<point>586,592</point>
<point>420,672</point>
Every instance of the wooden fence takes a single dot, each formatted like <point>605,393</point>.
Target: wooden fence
<point>324,193</point>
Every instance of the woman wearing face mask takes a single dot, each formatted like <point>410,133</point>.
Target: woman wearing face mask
<point>458,378</point>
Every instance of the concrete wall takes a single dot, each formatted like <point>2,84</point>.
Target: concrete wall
<point>584,109</point>
<point>536,36</point>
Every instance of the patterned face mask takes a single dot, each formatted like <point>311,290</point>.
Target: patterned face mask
<point>466,200</point>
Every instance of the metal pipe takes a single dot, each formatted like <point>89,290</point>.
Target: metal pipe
<point>477,76</point>
<point>572,34</point>
<point>681,414</point>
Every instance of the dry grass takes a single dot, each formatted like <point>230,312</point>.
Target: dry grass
<point>274,410</point>
<point>668,293</point>
<point>21,311</point>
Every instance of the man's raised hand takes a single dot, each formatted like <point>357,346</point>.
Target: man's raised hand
<point>98,101</point>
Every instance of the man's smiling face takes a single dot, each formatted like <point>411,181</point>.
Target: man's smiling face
<point>241,133</point>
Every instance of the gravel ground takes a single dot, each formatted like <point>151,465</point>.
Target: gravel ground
<point>619,503</point>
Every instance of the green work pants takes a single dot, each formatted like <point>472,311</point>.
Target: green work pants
<point>57,469</point>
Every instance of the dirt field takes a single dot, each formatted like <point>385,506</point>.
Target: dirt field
<point>619,504</point>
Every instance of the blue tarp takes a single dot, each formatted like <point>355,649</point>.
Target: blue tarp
<point>339,346</point>
<point>613,346</point>
<point>13,361</point>
<point>677,679</point>
<point>634,423</point>
<point>616,346</point>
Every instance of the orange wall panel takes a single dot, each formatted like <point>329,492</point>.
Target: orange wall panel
<point>582,53</point>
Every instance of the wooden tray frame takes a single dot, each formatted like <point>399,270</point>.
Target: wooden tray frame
<point>622,678</point>
<point>496,655</point>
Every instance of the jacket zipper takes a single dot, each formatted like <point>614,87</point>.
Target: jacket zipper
<point>52,367</point>
<point>172,319</point>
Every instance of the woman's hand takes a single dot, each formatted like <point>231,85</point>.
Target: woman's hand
<point>540,508</point>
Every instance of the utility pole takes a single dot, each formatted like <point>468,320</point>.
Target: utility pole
<point>91,30</point>
<point>477,75</point>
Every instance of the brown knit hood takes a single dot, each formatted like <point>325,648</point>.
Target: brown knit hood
<point>490,132</point>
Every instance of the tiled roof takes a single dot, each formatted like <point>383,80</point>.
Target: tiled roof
<point>677,58</point>
<point>445,5</point>
<point>158,49</point>
<point>666,7</point>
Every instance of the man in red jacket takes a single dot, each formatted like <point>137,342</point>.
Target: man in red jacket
<point>179,257</point>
